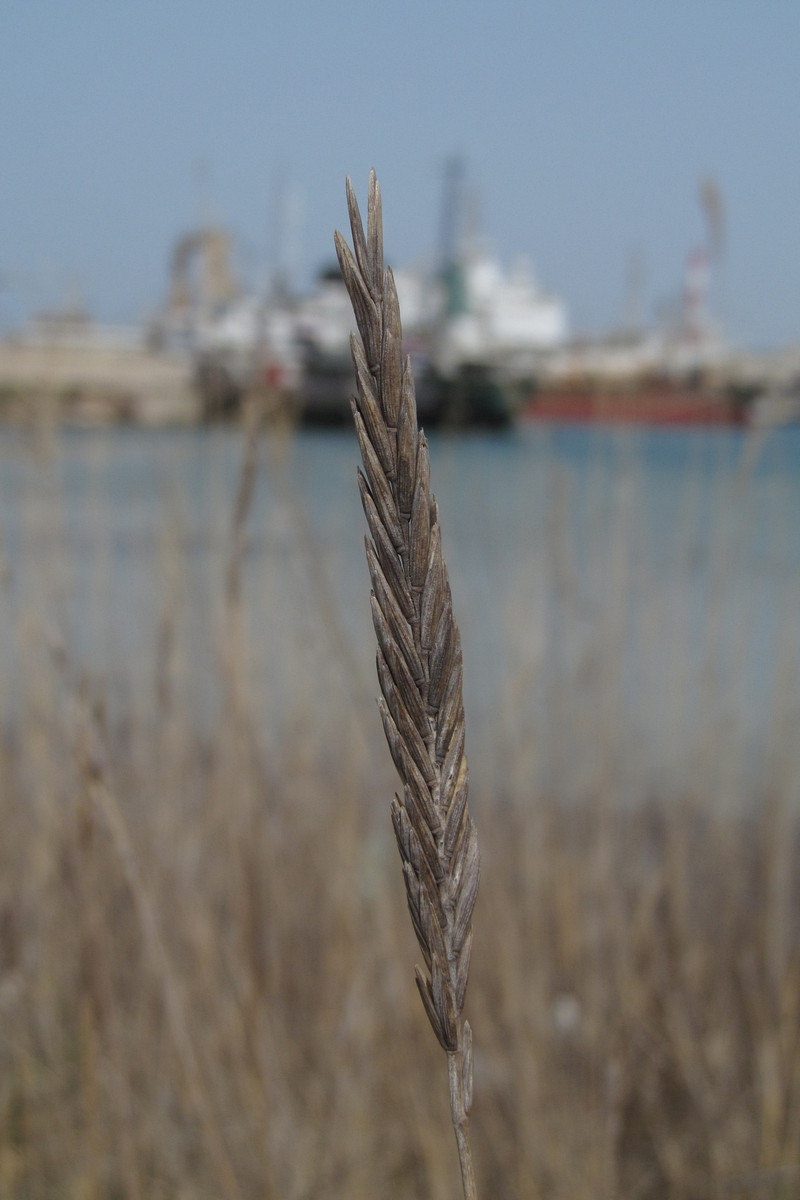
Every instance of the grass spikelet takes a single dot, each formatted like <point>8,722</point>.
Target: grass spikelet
<point>419,657</point>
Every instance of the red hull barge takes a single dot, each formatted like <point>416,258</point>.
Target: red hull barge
<point>644,402</point>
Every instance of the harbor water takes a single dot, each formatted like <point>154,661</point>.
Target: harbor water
<point>628,598</point>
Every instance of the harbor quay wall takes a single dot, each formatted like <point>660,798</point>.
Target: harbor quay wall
<point>96,384</point>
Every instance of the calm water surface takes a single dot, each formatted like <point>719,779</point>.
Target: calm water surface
<point>628,599</point>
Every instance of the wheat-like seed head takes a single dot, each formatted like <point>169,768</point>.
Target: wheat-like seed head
<point>419,648</point>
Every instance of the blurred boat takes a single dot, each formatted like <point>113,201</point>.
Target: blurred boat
<point>676,373</point>
<point>475,340</point>
<point>475,332</point>
<point>650,400</point>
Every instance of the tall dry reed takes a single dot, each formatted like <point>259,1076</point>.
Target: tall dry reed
<point>419,657</point>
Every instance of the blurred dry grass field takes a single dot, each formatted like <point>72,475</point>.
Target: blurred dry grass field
<point>206,964</point>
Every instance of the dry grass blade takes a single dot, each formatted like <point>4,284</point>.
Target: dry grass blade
<point>93,759</point>
<point>419,656</point>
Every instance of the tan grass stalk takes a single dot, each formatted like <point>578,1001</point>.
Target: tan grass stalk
<point>93,758</point>
<point>419,657</point>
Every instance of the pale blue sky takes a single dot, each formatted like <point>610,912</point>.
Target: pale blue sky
<point>586,127</point>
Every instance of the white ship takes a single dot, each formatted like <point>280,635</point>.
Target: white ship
<point>476,332</point>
